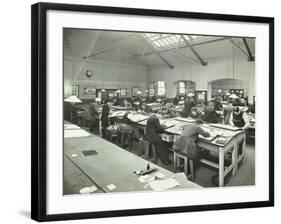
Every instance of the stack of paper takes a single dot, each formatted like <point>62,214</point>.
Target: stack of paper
<point>161,185</point>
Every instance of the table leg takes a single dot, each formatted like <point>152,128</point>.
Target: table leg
<point>221,167</point>
<point>175,162</point>
<point>235,157</point>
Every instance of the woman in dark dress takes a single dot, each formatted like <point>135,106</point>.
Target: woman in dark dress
<point>153,129</point>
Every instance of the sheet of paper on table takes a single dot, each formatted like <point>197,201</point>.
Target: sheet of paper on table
<point>189,119</point>
<point>161,185</point>
<point>118,113</point>
<point>168,123</point>
<point>226,126</point>
<point>137,117</point>
<point>70,126</point>
<point>75,133</point>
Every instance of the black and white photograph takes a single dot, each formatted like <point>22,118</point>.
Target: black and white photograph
<point>149,111</point>
<point>139,111</point>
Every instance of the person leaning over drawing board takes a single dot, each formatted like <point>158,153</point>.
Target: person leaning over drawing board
<point>125,125</point>
<point>187,142</point>
<point>153,129</point>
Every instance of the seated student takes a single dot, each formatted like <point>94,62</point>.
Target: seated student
<point>104,117</point>
<point>127,104</point>
<point>124,105</point>
<point>176,100</point>
<point>126,126</point>
<point>91,116</point>
<point>187,143</point>
<point>210,114</point>
<point>217,104</point>
<point>188,104</point>
<point>195,114</point>
<point>237,118</point>
<point>153,129</point>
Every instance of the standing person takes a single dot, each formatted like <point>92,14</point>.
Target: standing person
<point>153,129</point>
<point>227,112</point>
<point>91,116</point>
<point>176,100</point>
<point>104,117</point>
<point>187,143</point>
<point>217,104</point>
<point>189,103</point>
<point>237,118</point>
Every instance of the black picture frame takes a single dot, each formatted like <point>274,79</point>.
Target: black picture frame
<point>39,109</point>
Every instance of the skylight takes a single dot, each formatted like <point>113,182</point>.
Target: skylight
<point>169,41</point>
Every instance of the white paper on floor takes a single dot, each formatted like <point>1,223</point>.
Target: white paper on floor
<point>87,190</point>
<point>111,187</point>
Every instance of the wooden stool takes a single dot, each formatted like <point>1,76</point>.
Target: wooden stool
<point>112,136</point>
<point>125,135</point>
<point>188,163</point>
<point>145,146</point>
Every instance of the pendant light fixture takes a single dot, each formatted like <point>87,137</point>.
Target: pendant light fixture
<point>233,95</point>
<point>103,90</point>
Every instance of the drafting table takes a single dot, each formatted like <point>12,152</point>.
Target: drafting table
<point>113,165</point>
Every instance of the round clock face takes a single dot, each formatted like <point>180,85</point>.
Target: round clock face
<point>89,73</point>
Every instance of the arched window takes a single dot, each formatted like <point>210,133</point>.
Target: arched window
<point>161,88</point>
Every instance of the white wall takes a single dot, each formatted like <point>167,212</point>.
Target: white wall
<point>106,74</point>
<point>221,68</point>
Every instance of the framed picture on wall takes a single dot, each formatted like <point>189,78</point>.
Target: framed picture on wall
<point>123,92</point>
<point>89,91</point>
<point>201,96</point>
<point>135,91</point>
<point>117,182</point>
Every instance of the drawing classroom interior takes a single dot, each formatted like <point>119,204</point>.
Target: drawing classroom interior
<point>157,111</point>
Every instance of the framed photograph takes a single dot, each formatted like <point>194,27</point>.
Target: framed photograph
<point>123,92</point>
<point>135,91</point>
<point>95,168</point>
<point>88,92</point>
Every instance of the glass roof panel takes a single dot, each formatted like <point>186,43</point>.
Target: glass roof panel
<point>170,41</point>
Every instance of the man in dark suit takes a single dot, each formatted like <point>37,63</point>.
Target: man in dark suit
<point>104,117</point>
<point>189,103</point>
<point>91,116</point>
<point>153,129</point>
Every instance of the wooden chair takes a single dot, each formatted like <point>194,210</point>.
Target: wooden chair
<point>188,164</point>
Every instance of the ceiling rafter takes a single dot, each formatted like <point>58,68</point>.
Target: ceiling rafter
<point>204,63</point>
<point>250,55</point>
<point>182,47</point>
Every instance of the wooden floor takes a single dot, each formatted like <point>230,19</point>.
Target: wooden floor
<point>74,178</point>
